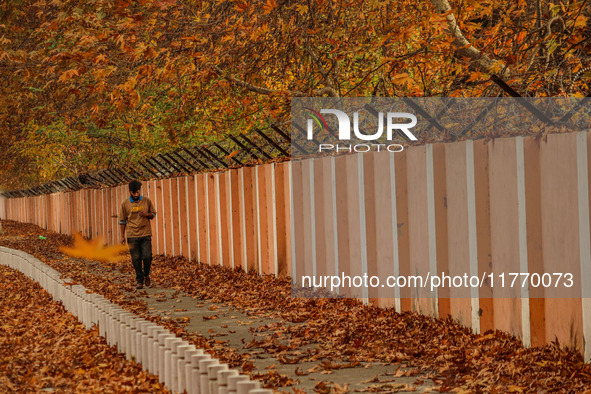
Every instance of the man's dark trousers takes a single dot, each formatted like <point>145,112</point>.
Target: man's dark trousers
<point>141,251</point>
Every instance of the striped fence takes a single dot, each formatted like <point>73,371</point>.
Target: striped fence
<point>514,204</point>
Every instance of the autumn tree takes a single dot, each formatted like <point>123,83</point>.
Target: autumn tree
<point>97,83</point>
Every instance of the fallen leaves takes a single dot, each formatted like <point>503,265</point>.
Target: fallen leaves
<point>44,348</point>
<point>275,379</point>
<point>392,388</point>
<point>342,331</point>
<point>287,360</point>
<point>298,372</point>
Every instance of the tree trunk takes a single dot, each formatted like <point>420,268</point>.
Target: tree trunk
<point>465,48</point>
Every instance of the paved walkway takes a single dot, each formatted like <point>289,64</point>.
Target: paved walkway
<point>261,338</point>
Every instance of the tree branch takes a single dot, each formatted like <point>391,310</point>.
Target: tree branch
<point>316,60</point>
<point>465,48</point>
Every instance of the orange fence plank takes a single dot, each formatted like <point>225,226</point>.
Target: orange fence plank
<point>111,217</point>
<point>176,216</point>
<point>323,220</point>
<point>183,223</point>
<point>250,219</point>
<point>418,228</point>
<point>282,217</point>
<point>533,206</point>
<point>305,249</point>
<point>225,224</point>
<point>457,236</point>
<point>117,207</point>
<point>269,170</point>
<point>168,204</point>
<point>193,218</point>
<point>441,229</point>
<point>151,192</point>
<point>483,240</point>
<point>160,216</point>
<point>213,220</point>
<point>504,228</point>
<point>379,210</point>
<point>298,226</point>
<point>104,201</point>
<point>560,233</point>
<point>263,213</point>
<point>203,218</point>
<point>237,255</point>
<point>371,220</point>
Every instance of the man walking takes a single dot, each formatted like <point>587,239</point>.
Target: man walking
<point>134,216</point>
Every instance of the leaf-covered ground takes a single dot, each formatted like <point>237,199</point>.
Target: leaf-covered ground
<point>342,330</point>
<point>44,348</point>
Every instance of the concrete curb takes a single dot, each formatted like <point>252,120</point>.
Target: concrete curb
<point>179,364</point>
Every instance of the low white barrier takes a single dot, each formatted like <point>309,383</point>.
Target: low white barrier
<point>179,364</point>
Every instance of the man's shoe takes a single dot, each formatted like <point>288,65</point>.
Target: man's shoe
<point>147,281</point>
<point>139,285</point>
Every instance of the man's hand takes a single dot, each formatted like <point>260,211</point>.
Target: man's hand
<point>123,233</point>
<point>147,215</point>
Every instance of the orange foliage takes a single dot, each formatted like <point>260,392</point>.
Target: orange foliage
<point>120,81</point>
